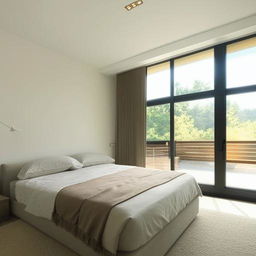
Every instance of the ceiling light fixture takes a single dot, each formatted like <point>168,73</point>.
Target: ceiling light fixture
<point>133,5</point>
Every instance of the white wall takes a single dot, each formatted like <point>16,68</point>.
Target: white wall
<point>60,105</point>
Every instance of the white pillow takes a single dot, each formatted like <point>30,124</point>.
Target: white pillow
<point>48,165</point>
<point>89,159</point>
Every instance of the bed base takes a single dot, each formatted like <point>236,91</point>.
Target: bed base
<point>157,246</point>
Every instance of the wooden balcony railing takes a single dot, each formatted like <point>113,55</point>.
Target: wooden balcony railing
<point>237,151</point>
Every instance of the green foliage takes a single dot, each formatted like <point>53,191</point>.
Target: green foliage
<point>158,122</point>
<point>196,122</point>
<point>240,124</point>
<point>198,86</point>
<point>243,131</point>
<point>186,129</point>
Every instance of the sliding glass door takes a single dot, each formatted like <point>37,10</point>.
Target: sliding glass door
<point>183,140</point>
<point>201,117</point>
<point>241,115</point>
<point>194,138</point>
<point>194,115</point>
<point>241,141</point>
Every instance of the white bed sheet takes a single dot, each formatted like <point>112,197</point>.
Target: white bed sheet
<point>131,223</point>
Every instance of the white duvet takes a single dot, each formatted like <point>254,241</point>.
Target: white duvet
<point>131,223</point>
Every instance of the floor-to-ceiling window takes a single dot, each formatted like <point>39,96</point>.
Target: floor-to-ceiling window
<point>241,115</point>
<point>194,115</point>
<point>158,116</point>
<point>201,116</point>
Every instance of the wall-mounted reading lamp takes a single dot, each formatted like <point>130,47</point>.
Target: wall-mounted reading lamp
<point>11,128</point>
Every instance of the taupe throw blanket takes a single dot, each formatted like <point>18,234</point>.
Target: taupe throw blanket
<point>83,209</point>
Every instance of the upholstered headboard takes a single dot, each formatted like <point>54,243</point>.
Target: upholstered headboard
<point>8,173</point>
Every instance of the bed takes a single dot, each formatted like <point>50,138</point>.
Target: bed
<point>147,224</point>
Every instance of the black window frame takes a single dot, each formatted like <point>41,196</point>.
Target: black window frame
<point>219,94</point>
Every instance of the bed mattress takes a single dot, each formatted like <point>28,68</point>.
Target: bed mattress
<point>132,223</point>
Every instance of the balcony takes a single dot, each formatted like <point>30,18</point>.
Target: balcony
<point>197,158</point>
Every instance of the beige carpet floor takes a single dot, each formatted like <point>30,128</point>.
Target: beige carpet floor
<point>213,233</point>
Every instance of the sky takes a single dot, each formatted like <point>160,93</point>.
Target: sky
<point>241,71</point>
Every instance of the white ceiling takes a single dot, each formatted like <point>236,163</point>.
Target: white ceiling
<point>102,32</point>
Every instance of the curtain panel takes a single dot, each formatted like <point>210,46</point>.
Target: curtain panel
<point>131,117</point>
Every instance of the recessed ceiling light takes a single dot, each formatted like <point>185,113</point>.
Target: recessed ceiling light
<point>133,5</point>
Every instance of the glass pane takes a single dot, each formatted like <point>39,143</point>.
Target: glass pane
<point>194,73</point>
<point>241,141</point>
<point>158,137</point>
<point>158,81</point>
<point>241,63</point>
<point>194,139</point>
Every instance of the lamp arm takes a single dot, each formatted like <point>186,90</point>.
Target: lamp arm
<point>12,129</point>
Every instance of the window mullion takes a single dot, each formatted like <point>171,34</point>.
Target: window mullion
<point>220,116</point>
<point>172,142</point>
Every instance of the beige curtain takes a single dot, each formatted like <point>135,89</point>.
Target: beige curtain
<point>131,117</point>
